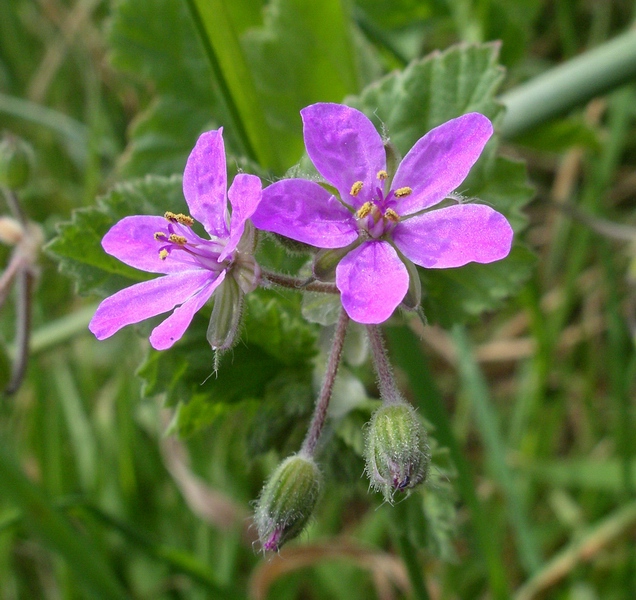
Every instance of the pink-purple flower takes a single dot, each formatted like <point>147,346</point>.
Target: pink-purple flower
<point>382,217</point>
<point>194,268</point>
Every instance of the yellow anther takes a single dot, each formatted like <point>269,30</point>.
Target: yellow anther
<point>401,192</point>
<point>178,218</point>
<point>364,210</point>
<point>177,239</point>
<point>160,235</point>
<point>391,215</point>
<point>163,254</point>
<point>185,220</point>
<point>355,188</point>
<point>382,175</point>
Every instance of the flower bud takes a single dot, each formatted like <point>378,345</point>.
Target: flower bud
<point>287,501</point>
<point>15,162</point>
<point>226,315</point>
<point>396,451</point>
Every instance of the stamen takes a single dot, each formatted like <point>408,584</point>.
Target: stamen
<point>364,210</point>
<point>177,239</point>
<point>356,187</point>
<point>160,235</point>
<point>179,218</point>
<point>163,254</point>
<point>382,175</point>
<point>401,192</point>
<point>391,215</point>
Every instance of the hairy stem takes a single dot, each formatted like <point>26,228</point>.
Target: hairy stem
<point>386,382</point>
<point>307,285</point>
<point>320,412</point>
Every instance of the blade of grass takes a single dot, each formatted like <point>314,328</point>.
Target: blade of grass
<point>233,76</point>
<point>474,385</point>
<point>89,567</point>
<point>405,348</point>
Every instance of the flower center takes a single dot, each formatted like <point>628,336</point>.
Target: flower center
<point>182,244</point>
<point>378,216</point>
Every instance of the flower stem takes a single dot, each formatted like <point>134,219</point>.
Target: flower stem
<point>306,285</point>
<point>320,412</point>
<point>386,381</point>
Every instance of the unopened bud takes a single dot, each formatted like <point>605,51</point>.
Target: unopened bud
<point>397,454</point>
<point>15,162</point>
<point>287,501</point>
<point>226,315</point>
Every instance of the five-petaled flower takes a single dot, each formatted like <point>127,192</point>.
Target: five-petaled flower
<point>381,219</point>
<point>193,267</point>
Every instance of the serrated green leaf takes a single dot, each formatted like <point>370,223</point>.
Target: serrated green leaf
<point>457,295</point>
<point>78,243</point>
<point>275,326</point>
<point>281,347</point>
<point>431,91</point>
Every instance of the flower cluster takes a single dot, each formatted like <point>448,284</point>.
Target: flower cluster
<point>370,218</point>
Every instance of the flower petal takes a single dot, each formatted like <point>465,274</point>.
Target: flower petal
<point>172,329</point>
<point>454,236</point>
<point>205,183</point>
<point>304,211</point>
<point>372,281</point>
<point>132,241</point>
<point>440,161</point>
<point>245,193</point>
<point>345,147</point>
<point>144,300</point>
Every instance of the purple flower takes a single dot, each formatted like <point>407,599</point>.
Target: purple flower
<point>193,267</point>
<point>383,219</point>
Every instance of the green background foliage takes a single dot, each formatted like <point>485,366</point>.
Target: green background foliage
<point>126,472</point>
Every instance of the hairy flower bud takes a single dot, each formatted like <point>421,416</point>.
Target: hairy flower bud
<point>287,501</point>
<point>15,162</point>
<point>397,454</point>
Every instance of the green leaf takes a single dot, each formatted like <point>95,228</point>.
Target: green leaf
<point>78,244</point>
<point>281,345</point>
<point>431,91</point>
<point>457,295</point>
<point>303,54</point>
<point>167,52</point>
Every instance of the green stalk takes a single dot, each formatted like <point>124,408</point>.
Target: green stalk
<point>573,83</point>
<point>234,78</point>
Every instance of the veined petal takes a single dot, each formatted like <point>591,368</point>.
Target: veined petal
<point>172,329</point>
<point>345,147</point>
<point>144,300</point>
<point>244,194</point>
<point>205,183</point>
<point>132,241</point>
<point>304,211</point>
<point>440,161</point>
<point>454,236</point>
<point>373,281</point>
